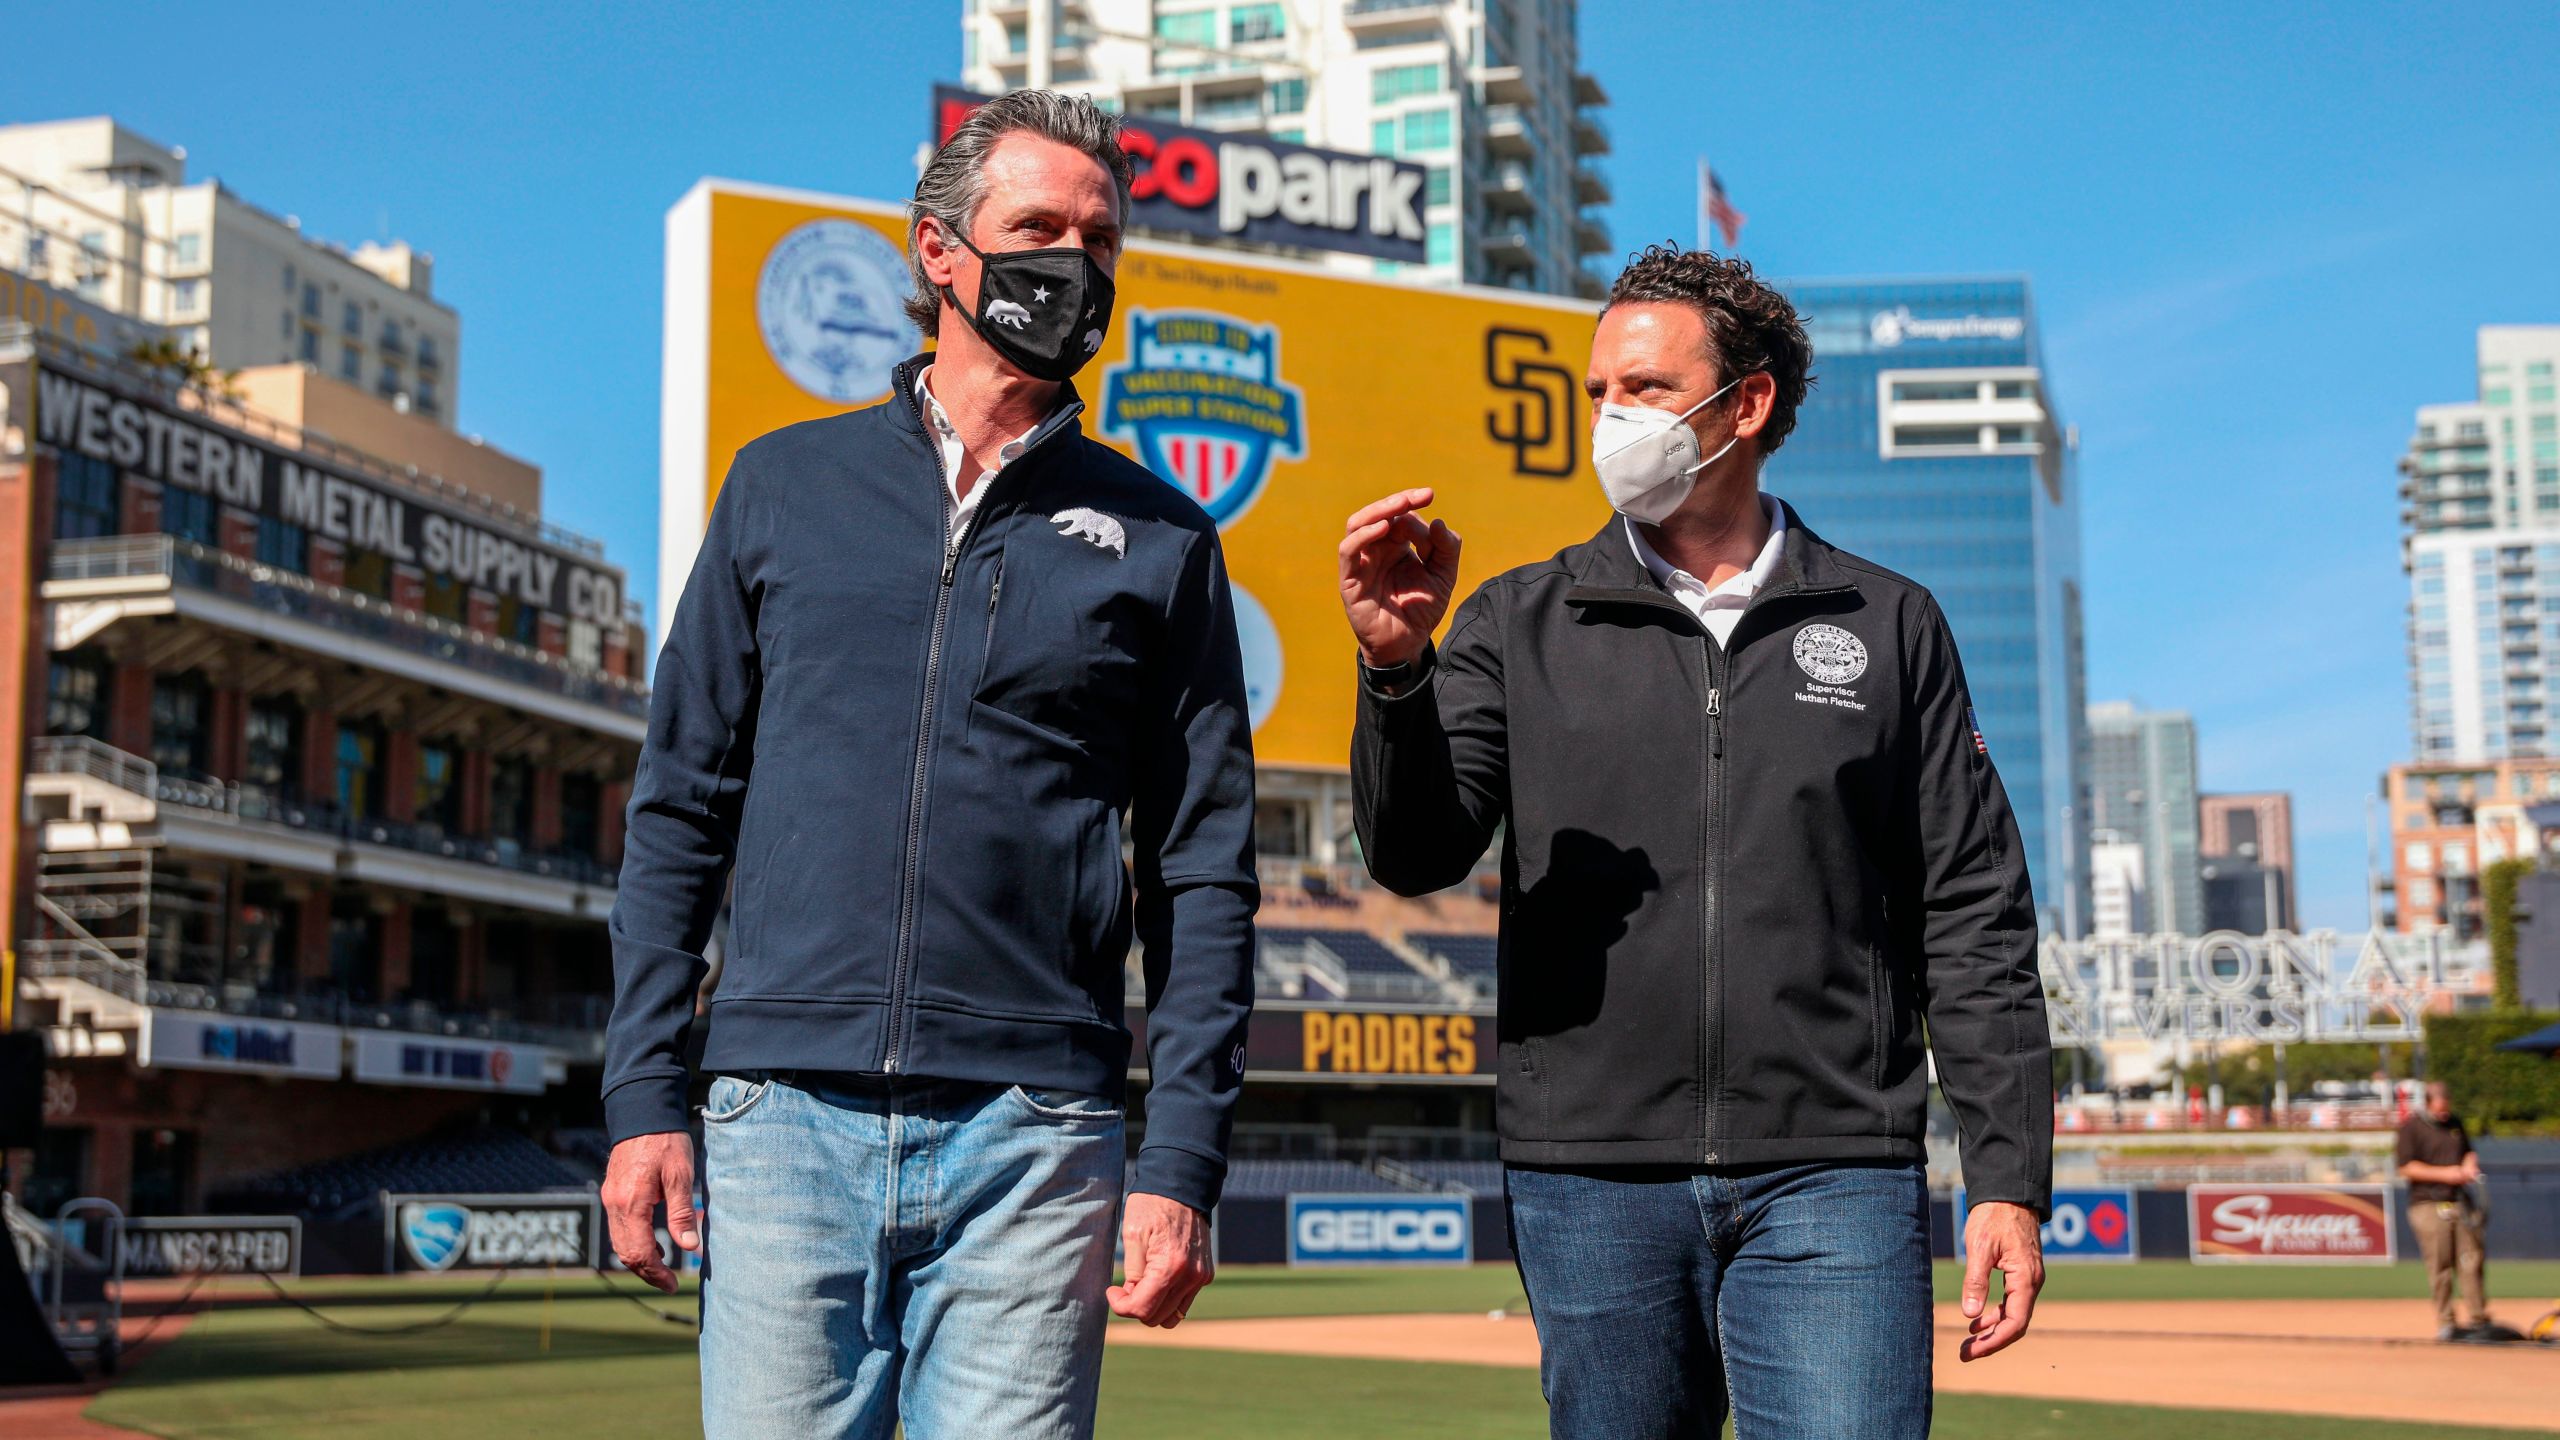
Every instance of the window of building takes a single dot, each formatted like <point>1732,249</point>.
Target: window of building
<point>1261,21</point>
<point>274,736</point>
<point>445,598</point>
<point>368,572</point>
<point>581,804</point>
<point>310,348</point>
<point>85,497</point>
<point>190,515</point>
<point>184,296</point>
<point>1426,130</point>
<point>2501,395</point>
<point>191,248</point>
<point>1289,96</point>
<point>1382,137</point>
<point>287,331</point>
<point>511,799</point>
<point>285,546</point>
<point>350,362</point>
<point>1441,248</point>
<point>359,768</point>
<point>289,282</point>
<point>518,621</point>
<point>1937,390</point>
<point>1210,109</point>
<point>354,319</point>
<point>427,402</point>
<point>355,946</point>
<point>1390,83</point>
<point>181,741</point>
<point>1189,27</point>
<point>439,791</point>
<point>75,699</point>
<point>1295,135</point>
<point>311,300</point>
<point>1435,186</point>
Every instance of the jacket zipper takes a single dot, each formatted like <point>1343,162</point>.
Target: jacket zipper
<point>1711,1009</point>
<point>912,882</point>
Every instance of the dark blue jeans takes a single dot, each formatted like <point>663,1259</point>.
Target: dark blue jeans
<point>1796,1295</point>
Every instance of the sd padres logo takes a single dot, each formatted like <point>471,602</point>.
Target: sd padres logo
<point>1830,654</point>
<point>827,303</point>
<point>1201,396</point>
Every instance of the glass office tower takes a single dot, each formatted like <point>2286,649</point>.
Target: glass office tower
<point>1930,445</point>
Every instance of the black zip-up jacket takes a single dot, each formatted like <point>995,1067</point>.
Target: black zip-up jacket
<point>917,752</point>
<point>1737,881</point>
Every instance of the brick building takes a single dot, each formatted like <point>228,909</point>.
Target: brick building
<point>321,755</point>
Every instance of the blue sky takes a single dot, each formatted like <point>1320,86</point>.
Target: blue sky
<point>2259,235</point>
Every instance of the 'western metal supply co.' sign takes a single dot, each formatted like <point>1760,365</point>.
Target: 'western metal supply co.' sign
<point>2290,1224</point>
<point>1222,186</point>
<point>144,438</point>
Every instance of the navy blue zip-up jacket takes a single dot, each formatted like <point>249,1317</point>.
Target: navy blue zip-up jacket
<point>917,753</point>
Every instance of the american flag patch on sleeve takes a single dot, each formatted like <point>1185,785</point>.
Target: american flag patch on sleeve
<point>1976,727</point>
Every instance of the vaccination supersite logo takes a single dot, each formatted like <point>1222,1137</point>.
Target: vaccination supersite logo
<point>1200,396</point>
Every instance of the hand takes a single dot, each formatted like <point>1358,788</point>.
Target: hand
<point>2003,1237</point>
<point>1166,1244</point>
<point>2471,1167</point>
<point>1397,577</point>
<point>642,1172</point>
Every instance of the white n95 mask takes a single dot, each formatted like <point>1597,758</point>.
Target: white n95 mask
<point>1648,459</point>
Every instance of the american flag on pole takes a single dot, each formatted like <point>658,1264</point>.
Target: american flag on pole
<point>1714,209</point>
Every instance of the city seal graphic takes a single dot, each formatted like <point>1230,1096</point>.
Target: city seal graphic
<point>1830,654</point>
<point>1201,398</point>
<point>828,304</point>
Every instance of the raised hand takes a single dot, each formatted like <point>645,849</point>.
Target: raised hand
<point>1398,575</point>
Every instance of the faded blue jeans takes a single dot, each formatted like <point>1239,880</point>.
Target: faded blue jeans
<point>924,1251</point>
<point>1797,1295</point>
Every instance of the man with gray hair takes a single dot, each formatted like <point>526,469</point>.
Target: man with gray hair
<point>931,656</point>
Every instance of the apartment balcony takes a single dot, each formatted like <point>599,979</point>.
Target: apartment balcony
<point>1590,187</point>
<point>95,584</point>
<point>1505,85</point>
<point>89,797</point>
<point>1590,285</point>
<point>1508,133</point>
<point>1590,134</point>
<point>1372,17</point>
<point>1591,236</point>
<point>1587,91</point>
<point>1511,189</point>
<point>1506,249</point>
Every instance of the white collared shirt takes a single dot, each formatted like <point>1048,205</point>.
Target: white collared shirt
<point>1720,608</point>
<point>955,454</point>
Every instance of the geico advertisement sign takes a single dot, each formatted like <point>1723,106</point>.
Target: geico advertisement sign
<point>440,1232</point>
<point>2296,1223</point>
<point>1279,396</point>
<point>1379,1230</point>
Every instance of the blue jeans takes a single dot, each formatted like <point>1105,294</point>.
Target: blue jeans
<point>920,1251</point>
<point>1796,1295</point>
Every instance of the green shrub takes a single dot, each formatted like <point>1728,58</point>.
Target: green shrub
<point>2498,905</point>
<point>2495,1090</point>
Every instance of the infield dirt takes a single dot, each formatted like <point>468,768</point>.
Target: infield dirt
<point>2363,1359</point>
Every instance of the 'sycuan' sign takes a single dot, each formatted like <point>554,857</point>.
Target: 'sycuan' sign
<point>1250,187</point>
<point>2295,1224</point>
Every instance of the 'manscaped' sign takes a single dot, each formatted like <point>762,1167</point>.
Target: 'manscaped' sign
<point>2274,988</point>
<point>2290,1224</point>
<point>1222,186</point>
<point>211,1245</point>
<point>145,438</point>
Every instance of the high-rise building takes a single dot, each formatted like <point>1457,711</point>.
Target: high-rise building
<point>95,210</point>
<point>2142,790</point>
<point>2119,905</point>
<point>2244,845</point>
<point>2451,822</point>
<point>2481,502</point>
<point>1930,444</point>
<point>1486,93</point>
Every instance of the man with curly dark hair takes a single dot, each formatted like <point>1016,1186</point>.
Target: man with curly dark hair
<point>1754,858</point>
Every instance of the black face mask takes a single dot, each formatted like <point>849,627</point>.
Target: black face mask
<point>1044,311</point>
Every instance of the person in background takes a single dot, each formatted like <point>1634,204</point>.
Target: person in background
<point>2434,1155</point>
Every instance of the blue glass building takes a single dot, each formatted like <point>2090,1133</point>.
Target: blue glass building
<point>1930,445</point>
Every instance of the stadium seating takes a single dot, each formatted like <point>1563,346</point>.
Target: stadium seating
<point>1470,957</point>
<point>1269,1179</point>
<point>1478,1177</point>
<point>477,1162</point>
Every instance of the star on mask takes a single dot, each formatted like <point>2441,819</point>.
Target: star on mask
<point>1039,295</point>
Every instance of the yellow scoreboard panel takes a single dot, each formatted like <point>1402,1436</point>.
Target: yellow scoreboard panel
<point>1281,396</point>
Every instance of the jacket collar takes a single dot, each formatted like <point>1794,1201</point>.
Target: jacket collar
<point>907,413</point>
<point>1605,568</point>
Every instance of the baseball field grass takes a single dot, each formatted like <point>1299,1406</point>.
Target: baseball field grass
<point>583,1363</point>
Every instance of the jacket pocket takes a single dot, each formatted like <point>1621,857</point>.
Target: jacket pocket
<point>1879,1025</point>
